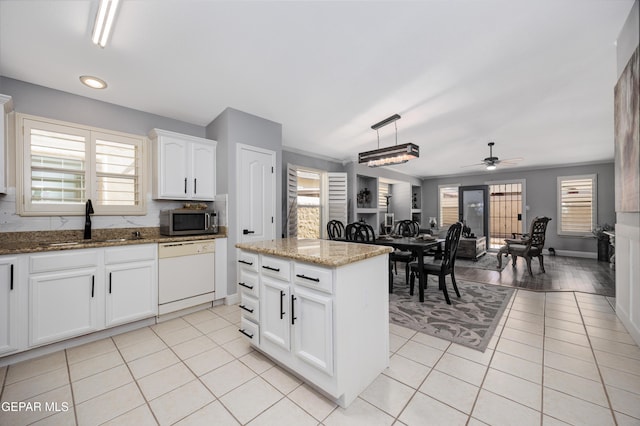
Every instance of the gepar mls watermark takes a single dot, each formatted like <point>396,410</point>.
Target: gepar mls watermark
<point>30,406</point>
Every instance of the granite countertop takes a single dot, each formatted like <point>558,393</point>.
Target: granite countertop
<point>321,252</point>
<point>43,241</point>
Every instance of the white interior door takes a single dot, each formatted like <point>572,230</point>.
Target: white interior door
<point>256,193</point>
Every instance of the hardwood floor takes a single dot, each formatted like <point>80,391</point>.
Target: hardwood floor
<point>562,274</point>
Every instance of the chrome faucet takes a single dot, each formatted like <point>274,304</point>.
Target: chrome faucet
<point>87,220</point>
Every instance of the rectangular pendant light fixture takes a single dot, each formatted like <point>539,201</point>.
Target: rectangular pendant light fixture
<point>396,154</point>
<point>104,21</point>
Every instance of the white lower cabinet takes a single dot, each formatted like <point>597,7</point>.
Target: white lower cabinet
<point>131,284</point>
<point>313,328</point>
<point>71,293</point>
<point>9,308</point>
<point>65,295</point>
<point>275,312</point>
<point>329,325</point>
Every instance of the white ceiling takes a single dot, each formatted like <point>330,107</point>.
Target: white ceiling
<point>535,76</point>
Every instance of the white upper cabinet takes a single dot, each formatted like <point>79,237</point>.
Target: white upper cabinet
<point>184,167</point>
<point>5,107</point>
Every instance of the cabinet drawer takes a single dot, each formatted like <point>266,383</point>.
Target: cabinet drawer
<point>250,308</point>
<point>313,277</point>
<point>276,267</point>
<point>76,259</point>
<point>248,260</point>
<point>250,331</point>
<point>248,283</point>
<point>129,253</point>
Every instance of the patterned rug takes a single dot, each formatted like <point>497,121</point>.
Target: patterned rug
<point>487,261</point>
<point>470,320</point>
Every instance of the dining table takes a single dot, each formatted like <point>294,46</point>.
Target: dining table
<point>416,245</point>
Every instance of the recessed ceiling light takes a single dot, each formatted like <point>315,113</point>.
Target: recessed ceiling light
<point>93,82</point>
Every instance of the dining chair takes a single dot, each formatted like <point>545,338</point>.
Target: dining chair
<point>359,231</point>
<point>335,230</point>
<point>405,228</point>
<point>446,267</point>
<point>528,245</point>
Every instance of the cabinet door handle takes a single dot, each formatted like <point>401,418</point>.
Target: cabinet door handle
<point>293,315</point>
<point>11,277</point>
<point>281,304</point>
<point>250,336</point>
<point>93,284</point>
<point>185,185</point>
<point>245,262</point>
<point>245,308</point>
<point>195,185</point>
<point>109,282</point>
<point>308,278</point>
<point>270,268</point>
<point>250,287</point>
<point>246,231</point>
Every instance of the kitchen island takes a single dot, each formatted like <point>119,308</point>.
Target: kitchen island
<point>319,308</point>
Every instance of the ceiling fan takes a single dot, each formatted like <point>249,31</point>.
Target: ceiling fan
<point>491,162</point>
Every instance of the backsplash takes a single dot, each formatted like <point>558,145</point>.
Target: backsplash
<point>10,221</point>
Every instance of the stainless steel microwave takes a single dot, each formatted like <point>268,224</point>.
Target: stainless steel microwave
<point>188,222</point>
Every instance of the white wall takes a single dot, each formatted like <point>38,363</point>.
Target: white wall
<point>628,224</point>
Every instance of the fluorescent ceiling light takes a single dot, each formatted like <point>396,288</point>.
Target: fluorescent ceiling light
<point>93,82</point>
<point>104,21</point>
<point>391,155</point>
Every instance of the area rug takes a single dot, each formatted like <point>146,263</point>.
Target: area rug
<point>488,261</point>
<point>470,320</point>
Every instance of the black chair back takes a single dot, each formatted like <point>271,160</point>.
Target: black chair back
<point>538,232</point>
<point>451,243</point>
<point>359,231</point>
<point>335,230</point>
<point>407,228</point>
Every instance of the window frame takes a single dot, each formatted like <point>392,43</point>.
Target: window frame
<point>594,204</point>
<point>24,205</point>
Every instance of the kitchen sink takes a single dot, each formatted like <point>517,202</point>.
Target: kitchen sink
<point>64,243</point>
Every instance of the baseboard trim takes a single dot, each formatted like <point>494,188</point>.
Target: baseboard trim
<point>232,299</point>
<point>572,253</point>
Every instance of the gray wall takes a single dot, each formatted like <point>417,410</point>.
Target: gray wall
<point>230,128</point>
<point>49,103</point>
<point>541,197</point>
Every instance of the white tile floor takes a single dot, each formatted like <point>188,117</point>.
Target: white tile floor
<point>556,358</point>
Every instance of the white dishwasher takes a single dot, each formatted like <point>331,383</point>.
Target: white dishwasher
<point>185,274</point>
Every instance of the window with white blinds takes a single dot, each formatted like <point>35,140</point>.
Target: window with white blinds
<point>577,204</point>
<point>383,191</point>
<point>65,164</point>
<point>447,205</point>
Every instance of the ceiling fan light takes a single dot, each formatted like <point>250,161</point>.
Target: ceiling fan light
<point>491,166</point>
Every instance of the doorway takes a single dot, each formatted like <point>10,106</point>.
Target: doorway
<point>506,201</point>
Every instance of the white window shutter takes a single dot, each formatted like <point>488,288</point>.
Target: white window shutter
<point>291,222</point>
<point>337,196</point>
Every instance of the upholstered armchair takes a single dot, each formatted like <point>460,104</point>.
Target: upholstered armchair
<point>528,246</point>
